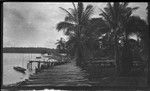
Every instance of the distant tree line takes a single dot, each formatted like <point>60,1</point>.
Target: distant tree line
<point>26,50</point>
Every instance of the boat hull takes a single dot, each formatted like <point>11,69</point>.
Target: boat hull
<point>20,69</point>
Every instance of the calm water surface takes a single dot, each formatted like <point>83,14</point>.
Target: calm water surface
<point>10,76</point>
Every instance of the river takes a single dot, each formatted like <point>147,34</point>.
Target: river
<point>67,74</point>
<point>10,76</point>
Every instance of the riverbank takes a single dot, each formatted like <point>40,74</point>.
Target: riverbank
<point>71,75</point>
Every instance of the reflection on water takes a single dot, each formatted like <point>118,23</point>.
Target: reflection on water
<point>10,60</point>
<point>62,75</point>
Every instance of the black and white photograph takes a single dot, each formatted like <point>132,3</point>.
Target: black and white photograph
<point>76,44</point>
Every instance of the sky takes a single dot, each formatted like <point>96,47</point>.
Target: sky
<point>33,24</point>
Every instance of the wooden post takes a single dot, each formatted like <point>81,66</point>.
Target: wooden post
<point>30,66</point>
<point>38,65</point>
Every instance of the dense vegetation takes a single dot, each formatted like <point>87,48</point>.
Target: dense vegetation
<point>108,36</point>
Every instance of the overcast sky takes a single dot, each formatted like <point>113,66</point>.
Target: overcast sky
<point>34,24</point>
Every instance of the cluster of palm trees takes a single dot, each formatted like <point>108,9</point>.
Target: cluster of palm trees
<point>114,28</point>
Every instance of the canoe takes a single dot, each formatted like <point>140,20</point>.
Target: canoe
<point>20,69</point>
<point>38,57</point>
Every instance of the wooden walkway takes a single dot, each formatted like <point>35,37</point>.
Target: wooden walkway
<point>70,75</point>
<point>61,75</point>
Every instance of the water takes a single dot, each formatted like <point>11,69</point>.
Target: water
<point>11,76</point>
<point>62,75</point>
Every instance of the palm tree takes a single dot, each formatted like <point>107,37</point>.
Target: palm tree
<point>97,28</point>
<point>75,25</point>
<point>116,15</point>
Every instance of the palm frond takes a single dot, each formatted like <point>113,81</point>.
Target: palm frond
<point>74,7</point>
<point>111,9</point>
<point>80,10</point>
<point>69,31</point>
<point>106,16</point>
<point>117,10</point>
<point>69,14</point>
<point>88,11</point>
<point>135,8</point>
<point>129,11</point>
<point>125,4</point>
<point>74,14</point>
<point>64,25</point>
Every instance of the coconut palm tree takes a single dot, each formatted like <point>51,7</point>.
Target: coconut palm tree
<point>97,28</point>
<point>75,25</point>
<point>116,15</point>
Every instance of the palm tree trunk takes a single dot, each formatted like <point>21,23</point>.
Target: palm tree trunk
<point>148,45</point>
<point>126,57</point>
<point>117,55</point>
<point>148,69</point>
<point>148,66</point>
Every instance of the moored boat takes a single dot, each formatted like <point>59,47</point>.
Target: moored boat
<point>20,69</point>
